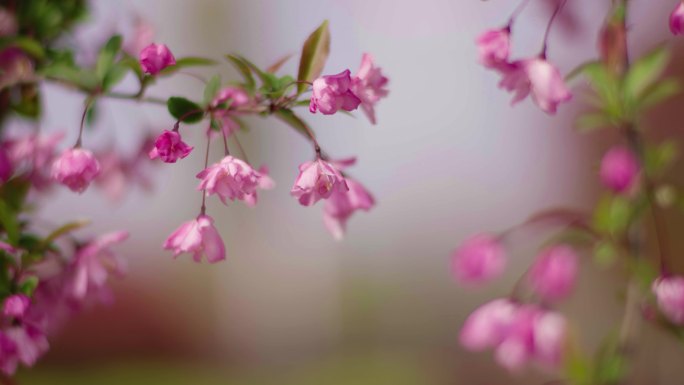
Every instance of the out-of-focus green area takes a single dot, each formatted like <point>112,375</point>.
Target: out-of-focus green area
<point>370,369</point>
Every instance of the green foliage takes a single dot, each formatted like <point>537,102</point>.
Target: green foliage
<point>314,55</point>
<point>107,55</point>
<point>45,20</point>
<point>288,116</point>
<point>184,110</point>
<point>242,66</point>
<point>658,158</point>
<point>605,254</point>
<point>211,89</point>
<point>613,215</point>
<point>186,62</point>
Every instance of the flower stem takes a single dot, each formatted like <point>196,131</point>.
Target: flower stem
<point>203,209</point>
<point>88,104</point>
<point>516,12</point>
<point>558,10</point>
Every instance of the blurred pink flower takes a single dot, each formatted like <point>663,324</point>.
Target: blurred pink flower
<point>488,325</point>
<point>232,179</point>
<point>15,305</point>
<point>494,47</point>
<point>669,292</point>
<point>537,77</point>
<point>76,168</point>
<point>317,180</point>
<point>93,262</point>
<point>342,204</point>
<point>169,147</point>
<point>554,273</point>
<point>199,237</point>
<point>265,183</point>
<point>479,259</point>
<point>677,19</point>
<point>6,167</point>
<point>156,57</point>
<point>369,85</point>
<point>142,36</point>
<point>619,169</point>
<point>238,97</point>
<point>332,93</point>
<point>119,174</point>
<point>21,344</point>
<point>32,155</point>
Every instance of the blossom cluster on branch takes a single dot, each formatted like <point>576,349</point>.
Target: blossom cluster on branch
<point>46,271</point>
<point>626,234</point>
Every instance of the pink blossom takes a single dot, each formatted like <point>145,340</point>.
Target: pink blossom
<point>15,306</point>
<point>518,333</point>
<point>669,292</point>
<point>142,36</point>
<point>332,93</point>
<point>237,96</point>
<point>6,168</point>
<point>317,180</point>
<point>265,183</point>
<point>21,344</point>
<point>479,259</point>
<point>494,47</point>
<point>232,179</point>
<point>92,263</point>
<point>118,173</point>
<point>169,147</point>
<point>554,273</point>
<point>76,168</point>
<point>369,85</point>
<point>619,169</point>
<point>31,155</point>
<point>677,19</point>
<point>537,77</point>
<point>342,204</point>
<point>488,325</point>
<point>199,237</point>
<point>156,57</point>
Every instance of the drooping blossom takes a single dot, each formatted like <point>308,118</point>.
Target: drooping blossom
<point>554,273</point>
<point>156,57</point>
<point>31,156</point>
<point>677,19</point>
<point>518,333</point>
<point>232,179</point>
<point>341,204</point>
<point>494,47</point>
<point>332,93</point>
<point>198,237</point>
<point>317,180</point>
<point>23,344</point>
<point>369,85</point>
<point>93,262</point>
<point>488,325</point>
<point>76,168</point>
<point>479,259</point>
<point>669,292</point>
<point>537,77</point>
<point>15,305</point>
<point>169,147</point>
<point>619,169</point>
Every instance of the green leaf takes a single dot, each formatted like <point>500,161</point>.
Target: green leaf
<point>610,365</point>
<point>82,78</point>
<point>645,71</point>
<point>593,121</point>
<point>644,271</point>
<point>613,215</point>
<point>606,86</point>
<point>605,254</point>
<point>13,193</point>
<point>294,121</point>
<point>105,59</point>
<point>314,55</point>
<point>29,285</point>
<point>185,110</point>
<point>273,68</point>
<point>64,229</point>
<point>210,90</point>
<point>660,92</point>
<point>658,158</point>
<point>579,70</point>
<point>26,44</point>
<point>115,75</point>
<point>8,220</point>
<point>239,63</point>
<point>190,61</point>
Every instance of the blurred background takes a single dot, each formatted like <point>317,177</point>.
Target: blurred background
<point>448,158</point>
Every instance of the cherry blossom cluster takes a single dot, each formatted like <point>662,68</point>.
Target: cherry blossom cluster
<point>526,326</point>
<point>48,270</point>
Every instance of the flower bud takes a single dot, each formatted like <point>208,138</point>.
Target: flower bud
<point>156,57</point>
<point>479,259</point>
<point>619,169</point>
<point>169,147</point>
<point>494,47</point>
<point>15,306</point>
<point>75,168</point>
<point>677,19</point>
<point>669,292</point>
<point>554,273</point>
